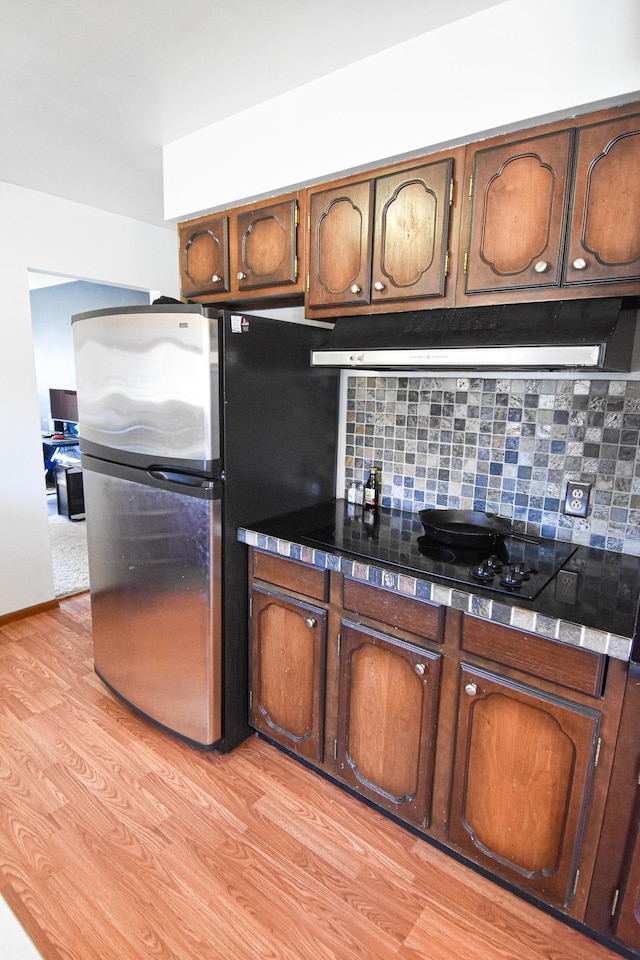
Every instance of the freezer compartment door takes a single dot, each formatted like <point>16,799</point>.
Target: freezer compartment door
<point>148,385</point>
<point>154,568</point>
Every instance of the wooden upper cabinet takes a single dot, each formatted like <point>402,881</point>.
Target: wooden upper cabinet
<point>411,231</point>
<point>250,252</point>
<point>517,208</point>
<point>382,244</point>
<point>266,250</point>
<point>340,248</point>
<point>523,769</point>
<point>604,237</point>
<point>204,256</point>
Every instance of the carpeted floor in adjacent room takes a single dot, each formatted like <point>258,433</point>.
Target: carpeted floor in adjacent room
<point>69,555</point>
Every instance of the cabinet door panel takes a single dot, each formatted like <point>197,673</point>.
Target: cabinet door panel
<point>288,645</point>
<point>523,768</point>
<point>340,253</point>
<point>627,921</point>
<point>411,232</point>
<point>605,224</point>
<point>387,702</point>
<point>204,252</point>
<point>266,246</point>
<point>518,214</point>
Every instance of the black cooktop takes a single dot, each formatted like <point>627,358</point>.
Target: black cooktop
<point>508,566</point>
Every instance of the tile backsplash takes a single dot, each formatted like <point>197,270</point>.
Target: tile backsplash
<point>505,446</point>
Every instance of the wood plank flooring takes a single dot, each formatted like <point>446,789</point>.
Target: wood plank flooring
<point>118,842</point>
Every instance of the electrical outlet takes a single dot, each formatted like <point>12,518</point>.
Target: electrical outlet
<point>576,501</point>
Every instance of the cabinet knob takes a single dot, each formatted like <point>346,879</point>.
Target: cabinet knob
<point>579,263</point>
<point>541,266</point>
<point>240,275</point>
<point>420,669</point>
<point>354,288</point>
<point>310,622</point>
<point>379,286</point>
<point>215,278</point>
<point>471,689</point>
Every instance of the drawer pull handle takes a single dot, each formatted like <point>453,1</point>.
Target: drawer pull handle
<point>310,622</point>
<point>379,286</point>
<point>471,689</point>
<point>215,278</point>
<point>240,275</point>
<point>355,288</point>
<point>579,263</point>
<point>420,669</point>
<point>541,266</point>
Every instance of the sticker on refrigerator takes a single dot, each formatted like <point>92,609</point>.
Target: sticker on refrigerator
<point>239,324</point>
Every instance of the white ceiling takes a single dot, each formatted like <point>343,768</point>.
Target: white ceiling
<point>90,91</point>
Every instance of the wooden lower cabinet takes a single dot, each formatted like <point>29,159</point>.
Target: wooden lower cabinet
<point>386,720</point>
<point>523,767</point>
<point>614,901</point>
<point>288,643</point>
<point>495,743</point>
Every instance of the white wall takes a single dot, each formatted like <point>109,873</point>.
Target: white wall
<point>513,62</point>
<point>55,236</point>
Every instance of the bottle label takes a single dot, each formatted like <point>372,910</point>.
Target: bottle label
<point>370,496</point>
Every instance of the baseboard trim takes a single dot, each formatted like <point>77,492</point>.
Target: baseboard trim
<point>28,611</point>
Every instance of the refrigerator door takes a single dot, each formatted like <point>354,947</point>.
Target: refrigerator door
<point>148,385</point>
<point>155,569</point>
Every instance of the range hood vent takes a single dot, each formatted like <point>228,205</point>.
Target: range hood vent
<point>583,334</point>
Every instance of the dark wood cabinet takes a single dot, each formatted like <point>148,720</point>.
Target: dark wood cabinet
<point>604,230</point>
<point>288,650</point>
<point>614,901</point>
<point>340,228</point>
<point>524,762</point>
<point>387,716</point>
<point>204,257</point>
<point>518,209</point>
<point>249,252</point>
<point>555,214</point>
<point>381,242</point>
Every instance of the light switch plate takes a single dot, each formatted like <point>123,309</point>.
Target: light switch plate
<point>576,501</point>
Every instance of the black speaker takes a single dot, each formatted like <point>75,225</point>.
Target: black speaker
<point>70,492</point>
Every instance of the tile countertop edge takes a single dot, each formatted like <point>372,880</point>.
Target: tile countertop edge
<point>564,631</point>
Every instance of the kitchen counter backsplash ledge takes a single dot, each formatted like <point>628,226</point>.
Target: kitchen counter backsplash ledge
<point>545,623</point>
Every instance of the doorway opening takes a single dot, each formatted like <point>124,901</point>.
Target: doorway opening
<point>54,300</point>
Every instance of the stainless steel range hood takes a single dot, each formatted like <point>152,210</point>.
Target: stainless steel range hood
<point>595,334</point>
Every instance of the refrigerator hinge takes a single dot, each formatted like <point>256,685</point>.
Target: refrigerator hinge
<point>614,905</point>
<point>597,756</point>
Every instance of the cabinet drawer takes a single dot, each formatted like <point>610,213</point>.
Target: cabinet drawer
<point>571,667</point>
<point>291,574</point>
<point>407,613</point>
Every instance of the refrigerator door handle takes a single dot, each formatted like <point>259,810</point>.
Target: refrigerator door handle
<point>184,479</point>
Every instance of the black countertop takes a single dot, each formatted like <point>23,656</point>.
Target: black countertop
<point>600,592</point>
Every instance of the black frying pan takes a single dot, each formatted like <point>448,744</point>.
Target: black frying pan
<point>464,528</point>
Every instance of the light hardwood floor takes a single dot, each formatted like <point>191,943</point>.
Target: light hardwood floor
<point>118,842</point>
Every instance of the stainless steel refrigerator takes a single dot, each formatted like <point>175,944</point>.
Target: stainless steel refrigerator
<point>192,422</point>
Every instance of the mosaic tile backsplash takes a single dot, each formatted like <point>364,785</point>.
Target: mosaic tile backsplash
<point>505,446</point>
